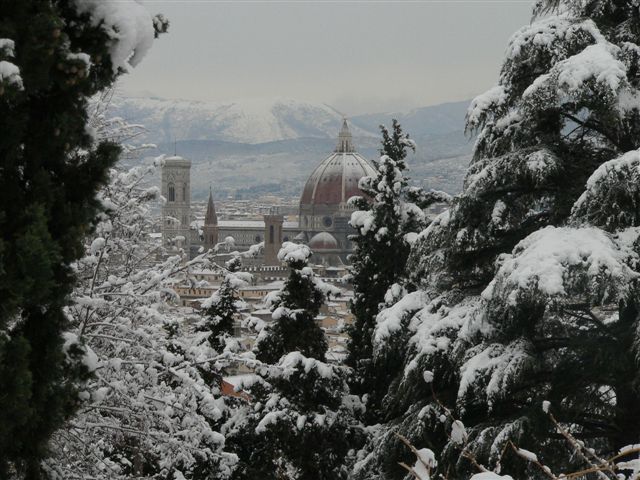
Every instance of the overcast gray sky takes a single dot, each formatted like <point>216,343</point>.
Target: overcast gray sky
<point>358,56</point>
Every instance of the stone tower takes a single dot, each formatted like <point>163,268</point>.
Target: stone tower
<point>176,212</point>
<point>210,228</point>
<point>272,238</point>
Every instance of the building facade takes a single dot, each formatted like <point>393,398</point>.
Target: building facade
<point>323,214</point>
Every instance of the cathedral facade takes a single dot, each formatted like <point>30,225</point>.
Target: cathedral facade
<point>323,216</point>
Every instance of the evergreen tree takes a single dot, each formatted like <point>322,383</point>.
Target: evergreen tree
<point>527,285</point>
<point>222,308</point>
<point>300,419</point>
<point>386,223</point>
<point>295,309</point>
<point>54,55</point>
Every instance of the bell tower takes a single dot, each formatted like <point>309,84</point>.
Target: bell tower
<point>176,212</point>
<point>210,228</point>
<point>272,238</point>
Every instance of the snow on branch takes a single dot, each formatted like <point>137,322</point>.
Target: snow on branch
<point>596,70</point>
<point>294,254</point>
<point>10,74</point>
<point>498,363</point>
<point>556,265</point>
<point>129,25</point>
<point>612,197</point>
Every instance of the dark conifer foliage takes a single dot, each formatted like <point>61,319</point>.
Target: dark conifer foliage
<point>299,421</point>
<point>50,171</point>
<point>223,307</point>
<point>527,285</point>
<point>384,220</point>
<point>294,312</point>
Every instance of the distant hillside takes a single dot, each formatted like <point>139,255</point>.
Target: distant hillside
<point>252,147</point>
<point>426,121</point>
<point>246,121</point>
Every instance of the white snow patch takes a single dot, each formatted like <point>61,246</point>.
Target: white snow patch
<point>292,361</point>
<point>490,476</point>
<point>544,259</point>
<point>390,319</point>
<point>7,47</point>
<point>425,462</point>
<point>128,24</point>
<point>458,433</point>
<point>293,252</point>
<point>10,73</point>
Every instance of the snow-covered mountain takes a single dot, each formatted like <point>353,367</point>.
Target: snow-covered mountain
<point>246,121</point>
<point>252,146</point>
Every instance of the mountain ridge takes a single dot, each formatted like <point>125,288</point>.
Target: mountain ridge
<point>254,121</point>
<point>249,144</point>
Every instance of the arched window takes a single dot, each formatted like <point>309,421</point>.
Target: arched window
<point>184,192</point>
<point>271,234</point>
<point>172,192</point>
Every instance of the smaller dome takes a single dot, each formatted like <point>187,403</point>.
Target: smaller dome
<point>323,241</point>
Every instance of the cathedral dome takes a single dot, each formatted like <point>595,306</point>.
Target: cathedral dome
<point>323,241</point>
<point>335,180</point>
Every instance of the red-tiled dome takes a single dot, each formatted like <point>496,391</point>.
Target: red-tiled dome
<point>323,241</point>
<point>335,180</point>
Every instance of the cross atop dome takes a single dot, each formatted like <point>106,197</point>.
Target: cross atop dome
<point>345,140</point>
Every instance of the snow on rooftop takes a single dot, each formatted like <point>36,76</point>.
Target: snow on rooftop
<point>261,287</point>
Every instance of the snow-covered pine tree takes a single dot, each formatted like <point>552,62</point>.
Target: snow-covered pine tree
<point>222,308</point>
<point>386,224</point>
<point>521,301</point>
<point>295,309</point>
<point>53,57</point>
<point>299,421</point>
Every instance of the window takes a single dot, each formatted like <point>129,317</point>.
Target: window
<point>172,192</point>
<point>271,234</point>
<point>184,192</point>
